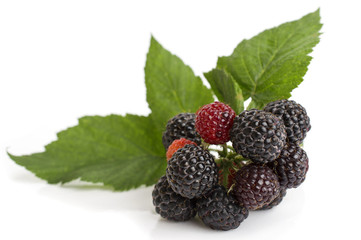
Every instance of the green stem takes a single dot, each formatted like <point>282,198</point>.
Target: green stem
<point>224,152</point>
<point>230,189</point>
<point>231,148</point>
<point>232,155</point>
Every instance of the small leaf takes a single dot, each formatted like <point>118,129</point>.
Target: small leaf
<point>270,65</point>
<point>172,87</point>
<point>226,89</point>
<point>118,151</point>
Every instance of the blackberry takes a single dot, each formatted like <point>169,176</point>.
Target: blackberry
<point>291,166</point>
<point>220,211</point>
<point>255,186</point>
<point>171,205</point>
<point>214,121</point>
<point>181,126</point>
<point>294,117</point>
<point>191,171</point>
<point>258,135</point>
<point>276,201</point>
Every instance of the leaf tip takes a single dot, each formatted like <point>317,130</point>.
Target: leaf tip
<point>152,38</point>
<point>11,156</point>
<point>153,41</point>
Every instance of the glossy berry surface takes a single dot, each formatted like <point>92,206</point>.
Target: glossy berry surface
<point>171,205</point>
<point>276,201</point>
<point>294,116</point>
<point>255,186</point>
<point>181,126</point>
<point>214,121</point>
<point>258,135</point>
<point>192,171</point>
<point>291,166</point>
<point>220,211</point>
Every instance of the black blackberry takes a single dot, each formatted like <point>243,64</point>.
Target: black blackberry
<point>181,126</point>
<point>191,171</point>
<point>291,166</point>
<point>276,201</point>
<point>255,186</point>
<point>220,211</point>
<point>294,117</point>
<point>258,135</point>
<point>171,205</point>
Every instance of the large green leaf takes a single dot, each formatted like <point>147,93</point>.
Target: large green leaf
<point>226,89</point>
<point>120,151</point>
<point>270,65</point>
<point>172,87</point>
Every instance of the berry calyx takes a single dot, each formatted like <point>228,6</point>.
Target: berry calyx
<point>214,121</point>
<point>226,177</point>
<point>228,167</point>
<point>177,144</point>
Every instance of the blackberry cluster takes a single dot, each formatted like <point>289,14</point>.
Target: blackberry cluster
<point>264,162</point>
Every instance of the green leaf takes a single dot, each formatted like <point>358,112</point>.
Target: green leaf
<point>255,105</point>
<point>120,151</point>
<point>226,89</point>
<point>172,87</point>
<point>270,65</point>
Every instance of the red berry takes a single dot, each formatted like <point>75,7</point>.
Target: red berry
<point>177,144</point>
<point>214,121</point>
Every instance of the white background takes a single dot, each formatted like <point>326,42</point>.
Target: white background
<point>60,60</point>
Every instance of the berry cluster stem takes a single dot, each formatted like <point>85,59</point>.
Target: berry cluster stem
<point>225,149</point>
<point>228,161</point>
